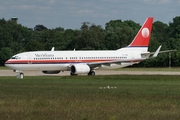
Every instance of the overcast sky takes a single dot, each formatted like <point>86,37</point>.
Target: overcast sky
<point>69,14</point>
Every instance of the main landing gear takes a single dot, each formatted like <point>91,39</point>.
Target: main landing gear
<point>72,74</point>
<point>92,72</point>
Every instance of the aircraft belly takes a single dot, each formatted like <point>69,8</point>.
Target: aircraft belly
<point>39,67</point>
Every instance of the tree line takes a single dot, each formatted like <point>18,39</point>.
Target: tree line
<point>15,38</point>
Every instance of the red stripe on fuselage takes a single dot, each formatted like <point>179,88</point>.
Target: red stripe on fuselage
<point>53,61</point>
<point>65,61</point>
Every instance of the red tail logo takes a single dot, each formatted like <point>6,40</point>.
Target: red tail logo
<point>143,37</point>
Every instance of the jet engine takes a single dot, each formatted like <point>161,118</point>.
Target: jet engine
<point>80,69</point>
<point>51,72</point>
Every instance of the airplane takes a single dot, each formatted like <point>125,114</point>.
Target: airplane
<point>86,62</point>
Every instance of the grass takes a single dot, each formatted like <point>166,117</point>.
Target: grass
<point>143,97</point>
<point>4,68</point>
<point>172,69</point>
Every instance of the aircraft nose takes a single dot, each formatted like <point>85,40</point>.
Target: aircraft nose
<point>10,64</point>
<point>6,63</point>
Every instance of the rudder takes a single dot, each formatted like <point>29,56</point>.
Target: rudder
<point>142,38</point>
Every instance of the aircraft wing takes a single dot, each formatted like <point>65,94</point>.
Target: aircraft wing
<point>100,64</point>
<point>120,62</point>
<point>155,54</point>
<point>158,51</point>
<point>164,51</point>
<point>104,63</point>
<point>111,63</point>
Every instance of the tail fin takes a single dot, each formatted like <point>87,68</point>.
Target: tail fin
<point>143,36</point>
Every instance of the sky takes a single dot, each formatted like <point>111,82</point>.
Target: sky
<point>70,14</point>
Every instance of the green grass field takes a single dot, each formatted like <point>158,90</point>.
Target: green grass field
<point>126,97</point>
<point>132,69</point>
<point>4,68</point>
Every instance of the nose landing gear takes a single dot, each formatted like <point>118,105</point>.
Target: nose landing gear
<point>20,75</point>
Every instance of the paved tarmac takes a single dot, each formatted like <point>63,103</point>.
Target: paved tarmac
<point>98,72</point>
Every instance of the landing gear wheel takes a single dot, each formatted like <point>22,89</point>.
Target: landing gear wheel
<point>20,76</point>
<point>72,74</point>
<point>91,73</point>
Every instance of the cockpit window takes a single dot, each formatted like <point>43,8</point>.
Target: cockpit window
<point>15,57</point>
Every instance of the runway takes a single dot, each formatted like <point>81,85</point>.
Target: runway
<point>98,72</point>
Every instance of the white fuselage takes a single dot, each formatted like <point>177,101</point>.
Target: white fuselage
<point>62,60</point>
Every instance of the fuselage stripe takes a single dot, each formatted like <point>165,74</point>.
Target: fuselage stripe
<point>64,61</point>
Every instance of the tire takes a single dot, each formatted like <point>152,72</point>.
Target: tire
<point>91,73</point>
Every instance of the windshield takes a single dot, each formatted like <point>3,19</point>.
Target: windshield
<point>15,57</point>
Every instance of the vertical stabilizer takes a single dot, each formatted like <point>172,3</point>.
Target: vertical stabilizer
<point>142,38</point>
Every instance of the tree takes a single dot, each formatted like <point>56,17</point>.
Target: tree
<point>120,34</point>
<point>5,53</point>
<point>92,37</point>
<point>34,45</point>
<point>40,27</point>
<point>174,33</point>
<point>15,38</point>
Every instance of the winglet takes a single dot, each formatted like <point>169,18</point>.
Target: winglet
<point>157,52</point>
<point>52,49</point>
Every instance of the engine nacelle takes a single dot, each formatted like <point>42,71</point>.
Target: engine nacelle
<point>80,69</point>
<point>51,72</point>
